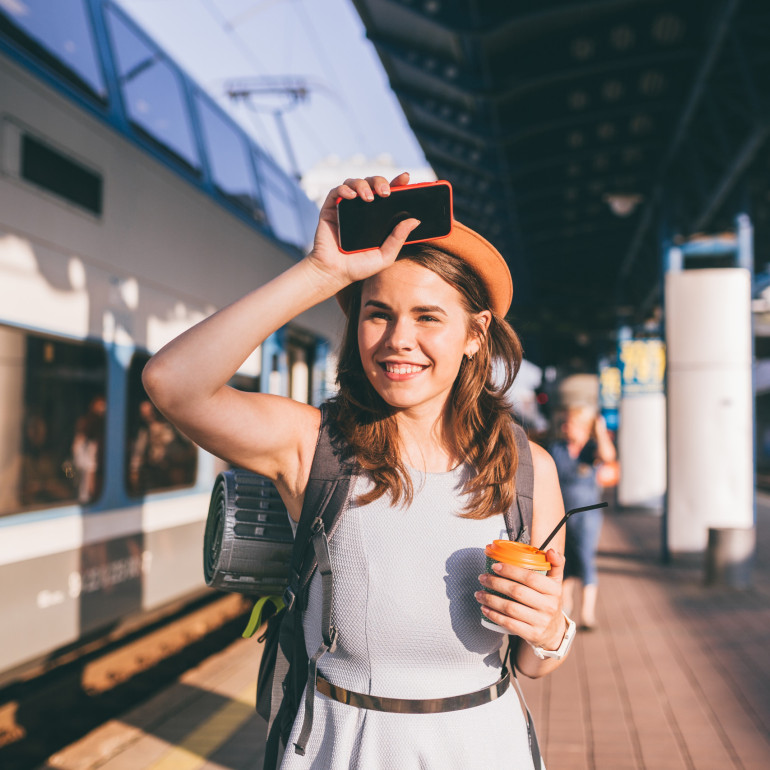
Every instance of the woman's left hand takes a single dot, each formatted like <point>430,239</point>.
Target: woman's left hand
<point>532,604</point>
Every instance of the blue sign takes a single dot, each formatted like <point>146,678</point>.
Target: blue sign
<point>609,395</point>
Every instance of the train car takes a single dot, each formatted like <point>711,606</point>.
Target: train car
<point>131,206</point>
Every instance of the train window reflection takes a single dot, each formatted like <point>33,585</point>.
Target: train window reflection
<point>59,34</point>
<point>152,92</point>
<point>231,169</point>
<point>53,406</point>
<point>158,456</point>
<point>280,202</point>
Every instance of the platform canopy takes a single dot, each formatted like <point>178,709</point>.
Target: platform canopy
<point>579,135</point>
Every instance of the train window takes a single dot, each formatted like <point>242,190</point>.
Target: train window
<point>58,34</point>
<point>52,410</point>
<point>44,166</point>
<point>280,202</point>
<point>231,169</point>
<point>153,93</point>
<point>158,456</point>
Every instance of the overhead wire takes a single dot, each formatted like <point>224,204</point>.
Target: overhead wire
<point>312,135</point>
<point>229,29</point>
<point>253,10</point>
<point>332,75</point>
<point>229,26</point>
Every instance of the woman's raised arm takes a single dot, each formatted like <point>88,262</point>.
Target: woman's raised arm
<point>271,435</point>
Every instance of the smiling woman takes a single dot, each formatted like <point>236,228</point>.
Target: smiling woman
<point>423,338</point>
<point>426,427</point>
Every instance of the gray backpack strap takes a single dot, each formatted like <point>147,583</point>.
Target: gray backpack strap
<point>326,495</point>
<point>325,499</point>
<point>328,631</point>
<point>534,745</point>
<point>518,518</point>
<point>518,522</point>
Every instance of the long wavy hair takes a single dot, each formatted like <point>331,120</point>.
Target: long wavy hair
<point>480,413</point>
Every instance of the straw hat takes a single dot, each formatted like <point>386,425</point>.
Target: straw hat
<point>480,254</point>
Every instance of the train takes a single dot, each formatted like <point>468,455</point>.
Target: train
<point>131,207</point>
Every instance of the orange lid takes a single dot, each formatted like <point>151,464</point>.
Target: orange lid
<point>518,554</point>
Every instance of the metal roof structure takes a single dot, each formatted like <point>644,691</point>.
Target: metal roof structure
<point>579,135</point>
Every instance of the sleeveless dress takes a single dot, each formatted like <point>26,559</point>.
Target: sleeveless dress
<point>577,478</point>
<point>409,627</point>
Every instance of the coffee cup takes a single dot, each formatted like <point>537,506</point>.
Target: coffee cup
<point>517,554</point>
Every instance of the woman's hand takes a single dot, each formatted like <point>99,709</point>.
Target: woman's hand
<point>342,269</point>
<point>605,448</point>
<point>600,428</point>
<point>532,606</point>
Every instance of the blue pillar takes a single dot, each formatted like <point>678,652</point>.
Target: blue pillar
<point>319,374</point>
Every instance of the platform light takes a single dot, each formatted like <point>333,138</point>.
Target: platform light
<point>622,204</point>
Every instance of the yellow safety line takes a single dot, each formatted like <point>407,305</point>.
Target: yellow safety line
<point>194,750</point>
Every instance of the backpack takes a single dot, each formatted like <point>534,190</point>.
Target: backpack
<point>285,668</point>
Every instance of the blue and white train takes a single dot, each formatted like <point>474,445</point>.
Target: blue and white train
<point>131,206</point>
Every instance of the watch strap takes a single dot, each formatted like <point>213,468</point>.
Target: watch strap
<point>566,642</point>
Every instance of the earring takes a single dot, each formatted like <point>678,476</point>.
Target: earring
<point>469,356</point>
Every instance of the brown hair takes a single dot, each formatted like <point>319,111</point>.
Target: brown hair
<point>481,418</point>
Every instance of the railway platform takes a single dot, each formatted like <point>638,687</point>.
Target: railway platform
<point>676,676</point>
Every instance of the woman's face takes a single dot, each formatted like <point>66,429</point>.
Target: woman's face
<point>578,428</point>
<point>412,334</point>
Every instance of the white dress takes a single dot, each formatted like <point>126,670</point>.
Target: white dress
<point>409,627</point>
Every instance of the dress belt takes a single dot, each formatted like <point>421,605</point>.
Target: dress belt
<point>414,705</point>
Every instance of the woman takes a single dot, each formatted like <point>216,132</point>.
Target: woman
<point>585,445</point>
<point>434,441</point>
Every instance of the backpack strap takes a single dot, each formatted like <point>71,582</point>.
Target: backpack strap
<point>534,745</point>
<point>518,522</point>
<point>518,518</point>
<point>326,496</point>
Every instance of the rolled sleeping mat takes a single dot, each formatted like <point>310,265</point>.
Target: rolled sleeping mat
<point>248,539</point>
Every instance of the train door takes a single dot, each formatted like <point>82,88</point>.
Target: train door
<point>301,353</point>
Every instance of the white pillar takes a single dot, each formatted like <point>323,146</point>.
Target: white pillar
<point>710,406</point>
<point>300,376</point>
<point>642,450</point>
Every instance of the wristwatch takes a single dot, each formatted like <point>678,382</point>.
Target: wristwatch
<point>566,643</point>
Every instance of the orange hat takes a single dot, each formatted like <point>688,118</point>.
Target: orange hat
<point>481,255</point>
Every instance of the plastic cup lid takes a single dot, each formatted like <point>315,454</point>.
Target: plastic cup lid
<point>518,554</point>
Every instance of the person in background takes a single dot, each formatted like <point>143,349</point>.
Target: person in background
<point>88,449</point>
<point>584,446</point>
<point>161,457</point>
<point>43,479</point>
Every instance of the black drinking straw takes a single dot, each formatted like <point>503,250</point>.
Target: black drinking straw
<point>566,516</point>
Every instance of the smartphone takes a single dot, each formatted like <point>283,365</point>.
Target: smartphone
<point>366,224</point>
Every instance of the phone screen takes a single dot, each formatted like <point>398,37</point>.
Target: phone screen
<point>365,225</point>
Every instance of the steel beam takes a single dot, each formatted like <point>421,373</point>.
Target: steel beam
<point>720,34</point>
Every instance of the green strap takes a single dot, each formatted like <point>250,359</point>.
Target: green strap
<point>255,621</point>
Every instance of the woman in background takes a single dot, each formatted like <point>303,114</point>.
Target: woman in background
<point>584,447</point>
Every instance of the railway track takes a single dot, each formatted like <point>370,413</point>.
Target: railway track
<point>47,712</point>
